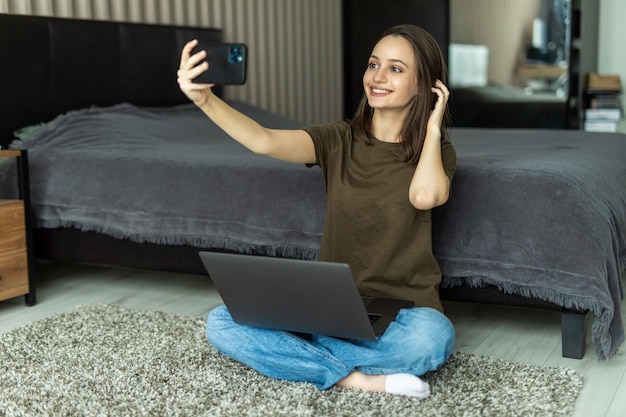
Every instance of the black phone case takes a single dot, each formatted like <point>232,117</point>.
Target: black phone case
<point>227,63</point>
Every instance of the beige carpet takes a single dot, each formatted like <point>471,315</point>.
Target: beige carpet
<point>103,360</point>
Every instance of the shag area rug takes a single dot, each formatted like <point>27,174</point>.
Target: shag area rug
<point>104,360</point>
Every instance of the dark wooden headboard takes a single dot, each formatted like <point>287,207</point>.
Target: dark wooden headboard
<point>52,65</point>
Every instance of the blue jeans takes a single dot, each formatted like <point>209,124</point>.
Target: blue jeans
<point>418,341</point>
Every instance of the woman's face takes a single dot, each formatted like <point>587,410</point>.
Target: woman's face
<point>390,81</point>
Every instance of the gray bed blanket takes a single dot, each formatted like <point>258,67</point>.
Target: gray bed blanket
<point>170,176</point>
<point>536,213</point>
<point>541,213</point>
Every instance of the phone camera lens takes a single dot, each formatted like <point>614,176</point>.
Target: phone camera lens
<point>236,55</point>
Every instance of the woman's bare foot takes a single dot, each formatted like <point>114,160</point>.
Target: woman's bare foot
<point>400,384</point>
<point>365,382</point>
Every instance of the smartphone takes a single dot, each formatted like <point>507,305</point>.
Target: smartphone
<point>227,63</point>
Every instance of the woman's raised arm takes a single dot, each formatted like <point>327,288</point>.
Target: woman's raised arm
<point>287,145</point>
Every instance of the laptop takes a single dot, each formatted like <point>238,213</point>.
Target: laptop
<point>301,296</point>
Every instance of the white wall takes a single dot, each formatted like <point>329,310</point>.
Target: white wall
<point>612,32</point>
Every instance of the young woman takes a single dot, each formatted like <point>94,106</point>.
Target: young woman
<point>384,170</point>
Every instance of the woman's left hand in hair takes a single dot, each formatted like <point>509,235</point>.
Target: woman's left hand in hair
<point>436,117</point>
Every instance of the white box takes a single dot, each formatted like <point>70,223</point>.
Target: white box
<point>468,65</point>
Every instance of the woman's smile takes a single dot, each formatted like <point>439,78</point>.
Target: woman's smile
<point>379,91</point>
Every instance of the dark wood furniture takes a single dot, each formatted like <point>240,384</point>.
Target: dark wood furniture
<point>16,251</point>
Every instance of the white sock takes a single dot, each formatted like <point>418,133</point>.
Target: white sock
<point>407,384</point>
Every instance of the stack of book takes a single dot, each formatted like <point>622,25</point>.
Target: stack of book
<point>602,119</point>
<point>604,108</point>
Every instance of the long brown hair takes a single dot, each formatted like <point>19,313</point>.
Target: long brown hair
<point>430,68</point>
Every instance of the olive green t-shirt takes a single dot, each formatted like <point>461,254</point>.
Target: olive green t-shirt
<point>370,223</point>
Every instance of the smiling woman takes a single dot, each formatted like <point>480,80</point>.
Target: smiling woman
<point>396,142</point>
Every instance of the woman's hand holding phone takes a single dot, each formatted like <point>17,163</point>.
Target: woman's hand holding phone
<point>192,66</point>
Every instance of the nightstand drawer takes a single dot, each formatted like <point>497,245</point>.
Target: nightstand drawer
<point>16,236</point>
<point>13,252</point>
<point>12,226</point>
<point>13,273</point>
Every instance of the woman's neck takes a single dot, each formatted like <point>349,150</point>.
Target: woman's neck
<point>387,126</point>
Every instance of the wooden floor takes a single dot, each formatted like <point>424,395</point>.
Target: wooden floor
<point>518,335</point>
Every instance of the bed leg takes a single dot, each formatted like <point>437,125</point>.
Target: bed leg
<point>573,333</point>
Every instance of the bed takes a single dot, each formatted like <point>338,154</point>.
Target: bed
<point>126,174</point>
<point>505,106</point>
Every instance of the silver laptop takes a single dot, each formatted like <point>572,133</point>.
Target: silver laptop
<point>301,296</point>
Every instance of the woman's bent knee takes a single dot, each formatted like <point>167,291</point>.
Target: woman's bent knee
<point>443,335</point>
<point>434,331</point>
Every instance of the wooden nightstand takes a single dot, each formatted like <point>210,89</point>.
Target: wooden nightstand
<point>16,249</point>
